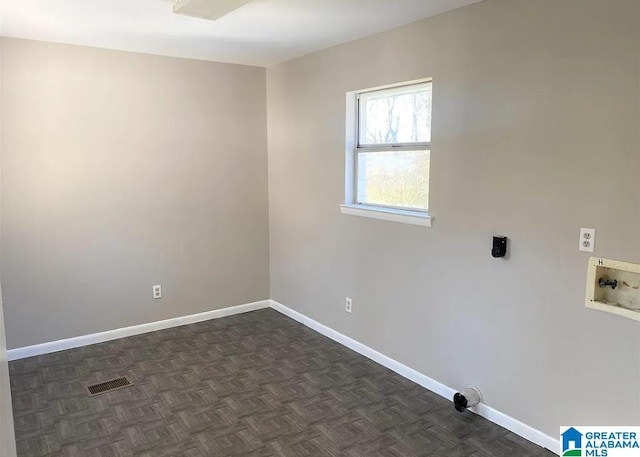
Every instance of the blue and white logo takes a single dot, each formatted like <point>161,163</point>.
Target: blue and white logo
<point>600,441</point>
<point>571,443</point>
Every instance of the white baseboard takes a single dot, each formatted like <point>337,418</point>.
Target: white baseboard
<point>447,392</point>
<point>86,340</point>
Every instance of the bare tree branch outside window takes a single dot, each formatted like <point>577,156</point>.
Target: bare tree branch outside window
<point>395,177</point>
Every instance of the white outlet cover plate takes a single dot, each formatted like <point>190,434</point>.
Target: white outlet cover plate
<point>587,240</point>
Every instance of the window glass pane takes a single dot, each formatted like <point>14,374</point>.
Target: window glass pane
<point>394,178</point>
<point>401,115</point>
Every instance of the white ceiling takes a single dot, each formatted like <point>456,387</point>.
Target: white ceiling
<point>262,33</point>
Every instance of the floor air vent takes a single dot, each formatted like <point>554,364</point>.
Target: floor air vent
<point>108,386</point>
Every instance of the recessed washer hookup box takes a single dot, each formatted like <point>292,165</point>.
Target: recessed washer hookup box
<point>614,287</point>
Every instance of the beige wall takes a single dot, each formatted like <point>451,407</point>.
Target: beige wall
<point>7,440</point>
<point>535,134</point>
<point>121,171</point>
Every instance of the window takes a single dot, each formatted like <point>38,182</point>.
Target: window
<point>390,150</point>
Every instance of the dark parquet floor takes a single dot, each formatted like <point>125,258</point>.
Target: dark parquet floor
<point>256,384</point>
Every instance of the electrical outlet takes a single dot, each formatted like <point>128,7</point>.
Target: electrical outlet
<point>157,292</point>
<point>349,305</point>
<point>587,240</point>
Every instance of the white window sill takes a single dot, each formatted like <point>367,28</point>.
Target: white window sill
<point>393,215</point>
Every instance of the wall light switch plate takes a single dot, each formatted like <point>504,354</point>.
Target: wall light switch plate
<point>587,240</point>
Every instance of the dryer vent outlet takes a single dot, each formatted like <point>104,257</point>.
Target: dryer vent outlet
<point>466,399</point>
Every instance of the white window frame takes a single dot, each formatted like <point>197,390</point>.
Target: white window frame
<point>414,216</point>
